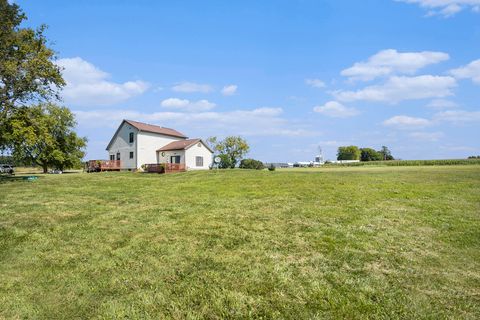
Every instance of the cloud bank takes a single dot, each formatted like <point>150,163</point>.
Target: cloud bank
<point>87,85</point>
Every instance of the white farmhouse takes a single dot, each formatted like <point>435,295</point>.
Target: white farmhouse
<point>135,144</point>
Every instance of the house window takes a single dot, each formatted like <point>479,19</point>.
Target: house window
<point>199,161</point>
<point>118,155</point>
<point>131,137</point>
<point>131,154</point>
<point>112,157</point>
<point>175,159</point>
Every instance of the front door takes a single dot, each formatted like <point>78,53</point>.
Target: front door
<point>175,159</point>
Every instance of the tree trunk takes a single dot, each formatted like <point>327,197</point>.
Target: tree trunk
<point>45,168</point>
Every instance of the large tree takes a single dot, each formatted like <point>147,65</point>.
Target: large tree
<point>44,135</point>
<point>368,154</point>
<point>385,153</point>
<point>231,150</point>
<point>348,153</point>
<point>27,71</point>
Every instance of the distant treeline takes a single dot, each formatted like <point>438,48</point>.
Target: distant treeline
<point>364,154</point>
<point>4,159</point>
<point>399,163</point>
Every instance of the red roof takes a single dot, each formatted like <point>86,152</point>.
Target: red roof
<point>179,145</point>
<point>155,129</point>
<point>182,145</point>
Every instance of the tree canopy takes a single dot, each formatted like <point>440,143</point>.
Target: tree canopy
<point>43,135</point>
<point>385,154</point>
<point>363,154</point>
<point>369,154</point>
<point>348,153</point>
<point>28,73</point>
<point>231,150</point>
<point>36,131</point>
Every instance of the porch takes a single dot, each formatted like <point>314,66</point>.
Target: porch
<point>164,167</point>
<point>103,165</point>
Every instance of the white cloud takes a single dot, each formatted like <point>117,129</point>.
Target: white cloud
<point>442,104</point>
<point>187,105</point>
<point>390,62</point>
<point>406,122</point>
<point>446,8</point>
<point>448,116</point>
<point>335,109</point>
<point>189,87</point>
<point>398,89</point>
<point>315,83</point>
<point>457,116</point>
<point>89,86</point>
<point>333,143</point>
<point>459,148</point>
<point>229,90</point>
<point>470,71</point>
<point>426,136</point>
<point>254,122</point>
<point>175,103</point>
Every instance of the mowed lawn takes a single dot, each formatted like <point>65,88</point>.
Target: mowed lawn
<point>355,243</point>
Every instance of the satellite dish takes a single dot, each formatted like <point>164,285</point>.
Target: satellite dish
<point>217,159</point>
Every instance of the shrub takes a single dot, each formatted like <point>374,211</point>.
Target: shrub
<point>225,162</point>
<point>251,164</point>
<point>271,167</point>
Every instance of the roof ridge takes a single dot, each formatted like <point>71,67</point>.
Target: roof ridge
<point>142,126</point>
<point>181,144</point>
<point>148,124</point>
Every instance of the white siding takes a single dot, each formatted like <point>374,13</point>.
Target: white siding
<point>148,144</point>
<point>122,145</point>
<point>145,146</point>
<point>168,154</point>
<point>198,151</point>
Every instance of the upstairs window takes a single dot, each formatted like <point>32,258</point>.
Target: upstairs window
<point>131,137</point>
<point>199,161</point>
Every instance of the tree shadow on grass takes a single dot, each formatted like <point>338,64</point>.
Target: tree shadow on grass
<point>8,179</point>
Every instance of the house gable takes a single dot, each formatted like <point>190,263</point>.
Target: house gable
<point>122,148</point>
<point>194,153</point>
<point>144,127</point>
<point>115,135</point>
<point>198,156</point>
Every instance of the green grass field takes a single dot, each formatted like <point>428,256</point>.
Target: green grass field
<point>355,243</point>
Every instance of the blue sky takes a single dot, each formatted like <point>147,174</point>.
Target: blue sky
<point>288,76</point>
